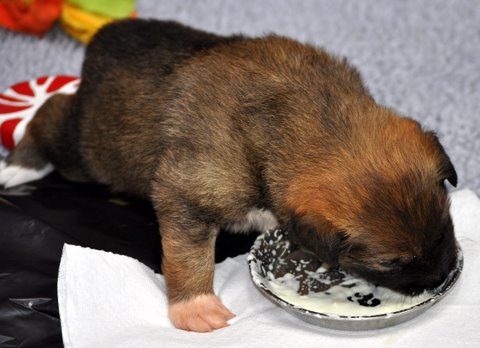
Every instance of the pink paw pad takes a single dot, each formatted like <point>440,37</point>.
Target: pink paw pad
<point>203,313</point>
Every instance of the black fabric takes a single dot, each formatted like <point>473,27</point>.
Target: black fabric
<point>38,218</point>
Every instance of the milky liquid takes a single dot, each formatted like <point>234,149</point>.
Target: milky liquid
<point>343,299</point>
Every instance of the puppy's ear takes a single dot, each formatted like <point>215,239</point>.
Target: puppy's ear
<point>318,236</point>
<point>447,170</point>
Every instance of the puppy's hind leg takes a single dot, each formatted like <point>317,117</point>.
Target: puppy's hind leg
<point>188,265</point>
<point>27,161</point>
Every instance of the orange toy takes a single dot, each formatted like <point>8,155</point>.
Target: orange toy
<point>30,16</point>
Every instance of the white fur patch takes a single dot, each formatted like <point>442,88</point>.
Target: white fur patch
<point>256,219</point>
<point>14,175</point>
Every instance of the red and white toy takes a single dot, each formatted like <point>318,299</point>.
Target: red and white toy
<point>19,103</point>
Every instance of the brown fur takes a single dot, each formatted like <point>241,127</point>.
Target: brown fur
<point>209,127</point>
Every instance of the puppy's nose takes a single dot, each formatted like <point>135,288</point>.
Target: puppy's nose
<point>436,280</point>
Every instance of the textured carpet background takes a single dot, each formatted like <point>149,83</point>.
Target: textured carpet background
<point>419,57</point>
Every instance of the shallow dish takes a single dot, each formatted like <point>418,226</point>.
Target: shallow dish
<point>272,251</point>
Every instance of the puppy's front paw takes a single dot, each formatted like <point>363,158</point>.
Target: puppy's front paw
<point>203,313</point>
<point>13,175</point>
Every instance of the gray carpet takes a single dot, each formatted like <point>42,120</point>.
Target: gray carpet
<point>419,57</point>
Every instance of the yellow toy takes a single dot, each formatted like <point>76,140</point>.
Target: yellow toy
<point>82,18</point>
<point>79,18</point>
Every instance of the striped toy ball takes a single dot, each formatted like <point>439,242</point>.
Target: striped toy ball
<point>19,103</point>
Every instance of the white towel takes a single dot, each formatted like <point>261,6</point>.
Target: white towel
<point>108,300</point>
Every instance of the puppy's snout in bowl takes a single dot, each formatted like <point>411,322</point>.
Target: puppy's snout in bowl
<point>413,275</point>
<point>417,278</point>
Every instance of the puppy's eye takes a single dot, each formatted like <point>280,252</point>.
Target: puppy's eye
<point>393,264</point>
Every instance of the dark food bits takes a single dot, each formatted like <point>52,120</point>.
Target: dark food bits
<point>304,264</point>
<point>364,300</point>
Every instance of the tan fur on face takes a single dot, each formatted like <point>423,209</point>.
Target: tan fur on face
<point>384,149</point>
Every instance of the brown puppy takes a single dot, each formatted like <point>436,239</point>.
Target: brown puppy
<point>234,132</point>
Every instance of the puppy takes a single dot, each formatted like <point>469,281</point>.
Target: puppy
<point>238,132</point>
